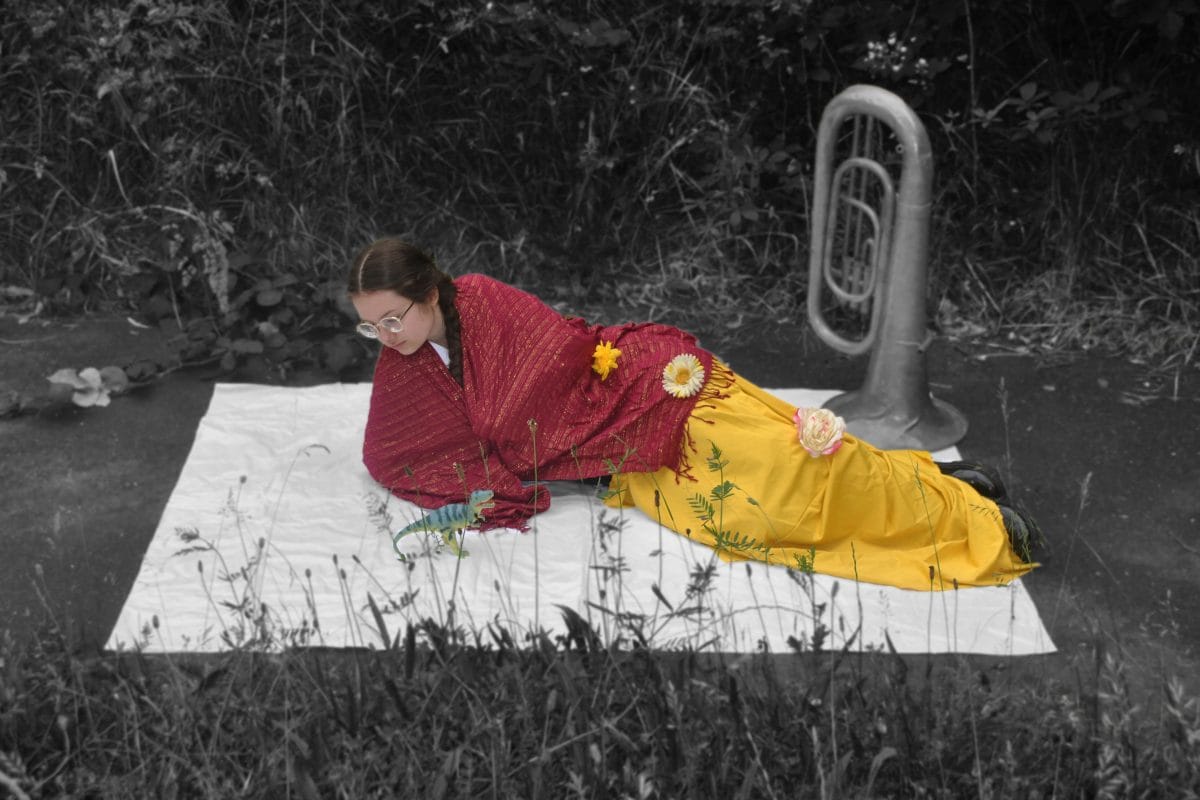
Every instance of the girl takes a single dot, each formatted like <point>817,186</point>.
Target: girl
<point>482,386</point>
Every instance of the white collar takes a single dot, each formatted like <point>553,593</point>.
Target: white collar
<point>443,352</point>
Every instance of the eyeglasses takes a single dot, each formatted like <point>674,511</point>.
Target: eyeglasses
<point>390,324</point>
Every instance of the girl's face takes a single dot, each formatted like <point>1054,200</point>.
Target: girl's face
<point>419,321</point>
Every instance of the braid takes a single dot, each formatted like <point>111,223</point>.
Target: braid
<point>446,294</point>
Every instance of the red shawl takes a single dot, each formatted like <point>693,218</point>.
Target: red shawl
<point>432,441</point>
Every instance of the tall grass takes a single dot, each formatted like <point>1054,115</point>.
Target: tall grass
<point>443,715</point>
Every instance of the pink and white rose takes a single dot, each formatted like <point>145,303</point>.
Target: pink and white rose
<point>819,430</point>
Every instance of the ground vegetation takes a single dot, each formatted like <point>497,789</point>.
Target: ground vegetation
<point>210,166</point>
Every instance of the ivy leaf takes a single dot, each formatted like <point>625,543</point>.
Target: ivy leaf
<point>114,379</point>
<point>68,377</point>
<point>141,370</point>
<point>269,297</point>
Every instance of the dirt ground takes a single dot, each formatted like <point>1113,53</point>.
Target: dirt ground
<point>1105,453</point>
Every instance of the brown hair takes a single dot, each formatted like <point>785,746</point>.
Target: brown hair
<point>395,265</point>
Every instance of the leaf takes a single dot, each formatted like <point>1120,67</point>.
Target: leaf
<point>1028,90</point>
<point>1063,99</point>
<point>210,680</point>
<point>88,399</point>
<point>113,82</point>
<point>268,297</point>
<point>658,593</point>
<point>723,491</point>
<point>1169,25</point>
<point>246,346</point>
<point>59,392</point>
<point>738,542</point>
<point>68,377</point>
<point>114,379</point>
<point>878,761</point>
<point>716,462</point>
<point>338,354</point>
<point>701,507</point>
<point>381,624</point>
<point>240,258</point>
<point>282,317</point>
<point>256,367</point>
<point>617,36</point>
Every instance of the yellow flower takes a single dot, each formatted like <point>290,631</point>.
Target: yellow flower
<point>684,376</point>
<point>604,359</point>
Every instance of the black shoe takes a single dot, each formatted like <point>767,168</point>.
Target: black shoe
<point>1023,532</point>
<point>980,478</point>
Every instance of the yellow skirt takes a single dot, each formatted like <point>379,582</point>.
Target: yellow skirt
<point>881,516</point>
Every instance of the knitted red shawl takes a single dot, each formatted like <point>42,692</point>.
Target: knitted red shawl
<point>530,407</point>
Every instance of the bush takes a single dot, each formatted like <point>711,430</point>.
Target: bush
<point>173,157</point>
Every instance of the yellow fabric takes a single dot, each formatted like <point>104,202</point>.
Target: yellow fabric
<point>878,516</point>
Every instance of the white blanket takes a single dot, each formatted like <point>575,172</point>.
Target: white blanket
<point>276,536</point>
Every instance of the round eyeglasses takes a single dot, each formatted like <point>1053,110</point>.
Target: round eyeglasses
<point>389,324</point>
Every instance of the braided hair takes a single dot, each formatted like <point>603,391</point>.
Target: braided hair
<point>395,265</point>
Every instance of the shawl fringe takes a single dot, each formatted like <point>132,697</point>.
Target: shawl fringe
<point>720,379</point>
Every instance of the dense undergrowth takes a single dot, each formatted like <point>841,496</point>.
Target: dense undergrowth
<point>443,714</point>
<point>213,164</point>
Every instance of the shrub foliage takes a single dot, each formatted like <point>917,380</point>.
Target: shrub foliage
<point>214,163</point>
